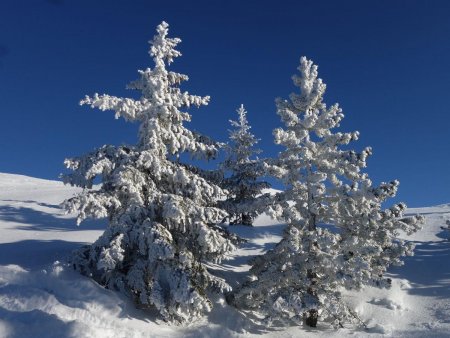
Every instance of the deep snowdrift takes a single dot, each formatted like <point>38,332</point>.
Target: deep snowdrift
<point>40,295</point>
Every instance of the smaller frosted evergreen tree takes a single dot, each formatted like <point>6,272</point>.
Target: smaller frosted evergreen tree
<point>163,216</point>
<point>243,184</point>
<point>337,234</point>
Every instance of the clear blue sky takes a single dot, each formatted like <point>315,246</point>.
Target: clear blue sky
<point>386,62</point>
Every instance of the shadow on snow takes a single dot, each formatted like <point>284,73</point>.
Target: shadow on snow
<point>35,323</point>
<point>427,270</point>
<point>36,220</point>
<point>31,254</point>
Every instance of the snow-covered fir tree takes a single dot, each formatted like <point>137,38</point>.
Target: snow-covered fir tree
<point>242,172</point>
<point>163,216</point>
<point>337,233</point>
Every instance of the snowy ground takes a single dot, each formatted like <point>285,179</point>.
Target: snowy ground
<point>40,296</point>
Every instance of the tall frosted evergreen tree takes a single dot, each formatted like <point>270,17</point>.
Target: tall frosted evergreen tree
<point>163,217</point>
<point>337,233</point>
<point>244,169</point>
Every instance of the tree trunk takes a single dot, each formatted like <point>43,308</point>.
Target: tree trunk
<point>311,318</point>
<point>247,220</point>
<point>312,315</point>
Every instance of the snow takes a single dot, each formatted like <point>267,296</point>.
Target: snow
<point>41,296</point>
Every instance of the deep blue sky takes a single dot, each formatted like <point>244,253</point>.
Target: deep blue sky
<point>386,62</point>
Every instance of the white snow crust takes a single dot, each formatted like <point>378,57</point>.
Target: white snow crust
<point>41,296</point>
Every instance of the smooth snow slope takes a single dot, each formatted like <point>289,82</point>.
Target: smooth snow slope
<point>41,296</point>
